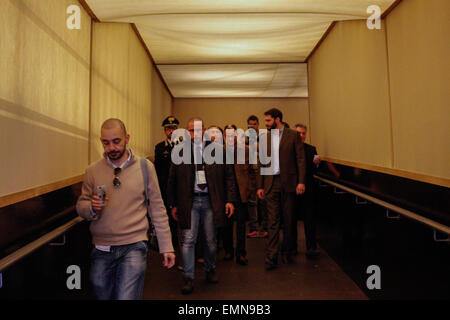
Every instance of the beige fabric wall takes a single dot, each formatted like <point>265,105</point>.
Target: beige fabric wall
<point>380,97</point>
<point>419,51</point>
<point>44,94</point>
<point>348,89</point>
<point>161,109</point>
<point>222,111</point>
<point>124,86</point>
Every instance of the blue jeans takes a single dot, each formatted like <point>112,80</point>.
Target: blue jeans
<point>201,213</point>
<point>119,274</point>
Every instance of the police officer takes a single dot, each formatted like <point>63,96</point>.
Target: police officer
<point>162,166</point>
<point>162,154</point>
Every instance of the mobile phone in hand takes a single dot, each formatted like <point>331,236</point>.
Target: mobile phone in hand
<point>101,193</point>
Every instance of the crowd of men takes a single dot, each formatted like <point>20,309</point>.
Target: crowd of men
<point>184,199</point>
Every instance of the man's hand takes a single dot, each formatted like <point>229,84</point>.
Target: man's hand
<point>229,209</point>
<point>97,204</point>
<point>169,260</point>
<point>173,212</point>
<point>317,160</point>
<point>260,193</point>
<point>300,188</point>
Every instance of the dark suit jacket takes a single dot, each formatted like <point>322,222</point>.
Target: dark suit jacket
<point>162,166</point>
<point>292,162</point>
<point>221,188</point>
<point>243,172</point>
<point>311,169</point>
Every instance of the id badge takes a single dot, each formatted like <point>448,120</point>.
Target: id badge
<point>200,177</point>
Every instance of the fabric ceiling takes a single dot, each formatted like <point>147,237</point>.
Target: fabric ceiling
<point>184,36</point>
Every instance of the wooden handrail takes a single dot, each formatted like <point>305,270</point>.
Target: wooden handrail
<point>409,214</point>
<point>36,244</point>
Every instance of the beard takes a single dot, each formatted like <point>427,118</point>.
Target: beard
<point>116,155</point>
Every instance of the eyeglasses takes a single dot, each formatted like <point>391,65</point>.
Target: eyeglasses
<point>116,181</point>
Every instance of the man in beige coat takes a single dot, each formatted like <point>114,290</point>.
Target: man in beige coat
<point>119,219</point>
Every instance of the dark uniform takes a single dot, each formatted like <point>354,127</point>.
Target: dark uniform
<point>162,165</point>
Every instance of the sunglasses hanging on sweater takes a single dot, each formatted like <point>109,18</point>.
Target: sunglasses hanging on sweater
<point>116,181</point>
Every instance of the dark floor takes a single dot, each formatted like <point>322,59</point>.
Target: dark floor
<point>320,279</point>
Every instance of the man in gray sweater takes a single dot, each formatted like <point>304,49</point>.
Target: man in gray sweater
<point>119,224</point>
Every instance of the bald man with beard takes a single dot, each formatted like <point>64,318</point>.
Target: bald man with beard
<point>119,221</point>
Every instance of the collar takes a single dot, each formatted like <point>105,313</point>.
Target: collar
<point>125,164</point>
<point>168,142</point>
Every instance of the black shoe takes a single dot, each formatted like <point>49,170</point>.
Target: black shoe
<point>228,256</point>
<point>287,259</point>
<point>271,265</point>
<point>312,254</point>
<point>188,286</point>
<point>241,260</point>
<point>211,276</point>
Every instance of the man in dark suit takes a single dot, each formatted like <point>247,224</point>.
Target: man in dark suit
<point>257,213</point>
<point>199,194</point>
<point>279,184</point>
<point>162,166</point>
<point>306,201</point>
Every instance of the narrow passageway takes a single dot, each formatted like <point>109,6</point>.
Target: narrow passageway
<point>320,279</point>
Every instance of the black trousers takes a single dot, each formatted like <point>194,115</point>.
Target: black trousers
<point>306,207</point>
<point>280,212</point>
<point>226,233</point>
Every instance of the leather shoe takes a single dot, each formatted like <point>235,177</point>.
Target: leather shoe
<point>270,265</point>
<point>228,256</point>
<point>241,260</point>
<point>287,259</point>
<point>312,254</point>
<point>188,286</point>
<point>211,276</point>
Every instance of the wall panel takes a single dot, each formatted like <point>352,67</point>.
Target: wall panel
<point>161,108</point>
<point>381,98</point>
<point>44,94</point>
<point>419,50</point>
<point>349,100</point>
<point>123,86</point>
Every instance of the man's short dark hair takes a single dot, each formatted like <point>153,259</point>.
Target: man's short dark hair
<point>274,113</point>
<point>229,125</point>
<point>300,125</point>
<point>252,118</point>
